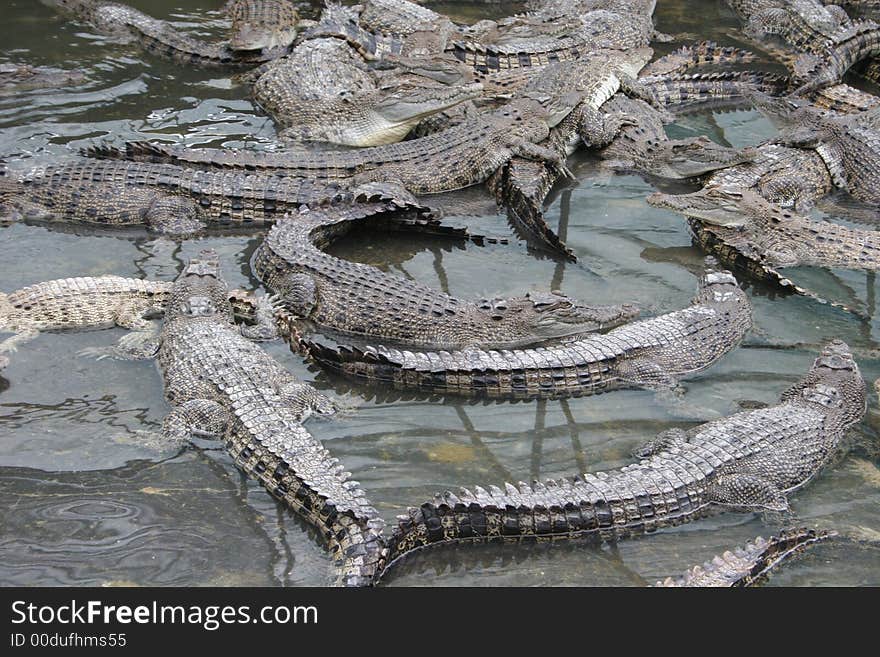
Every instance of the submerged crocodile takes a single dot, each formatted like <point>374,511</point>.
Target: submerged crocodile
<point>648,353</point>
<point>358,300</point>
<point>223,385</point>
<point>157,36</point>
<point>24,77</point>
<point>751,564</point>
<point>749,462</point>
<point>94,302</point>
<point>322,92</point>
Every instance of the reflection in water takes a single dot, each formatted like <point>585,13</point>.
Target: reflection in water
<point>89,502</point>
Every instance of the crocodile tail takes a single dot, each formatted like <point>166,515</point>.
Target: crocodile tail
<point>141,151</point>
<point>366,364</point>
<point>692,56</point>
<point>690,89</point>
<point>522,512</point>
<point>750,564</point>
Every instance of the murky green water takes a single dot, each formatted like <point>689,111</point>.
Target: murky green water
<point>85,500</point>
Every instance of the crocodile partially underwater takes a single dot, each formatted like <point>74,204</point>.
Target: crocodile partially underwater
<point>15,78</point>
<point>749,462</point>
<point>647,353</point>
<point>353,299</point>
<point>771,235</point>
<point>169,198</point>
<point>222,385</point>
<point>160,37</point>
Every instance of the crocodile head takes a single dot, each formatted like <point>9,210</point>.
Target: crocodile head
<point>200,290</point>
<point>556,315</point>
<point>834,383</point>
<point>632,61</point>
<point>690,158</point>
<point>375,118</point>
<point>409,106</point>
<point>267,25</point>
<point>719,206</point>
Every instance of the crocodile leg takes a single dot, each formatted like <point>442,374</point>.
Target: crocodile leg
<point>662,441</point>
<point>139,345</point>
<point>263,327</point>
<point>304,397</point>
<point>10,345</point>
<point>200,417</point>
<point>174,215</point>
<point>540,153</point>
<point>747,491</point>
<point>598,129</point>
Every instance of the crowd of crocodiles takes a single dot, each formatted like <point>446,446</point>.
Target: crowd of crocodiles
<point>382,106</point>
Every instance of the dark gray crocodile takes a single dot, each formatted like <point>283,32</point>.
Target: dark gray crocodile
<point>24,77</point>
<point>157,36</point>
<point>646,353</point>
<point>166,197</point>
<point>323,92</point>
<point>749,462</point>
<point>751,564</point>
<point>223,385</point>
<point>358,300</point>
<point>94,302</point>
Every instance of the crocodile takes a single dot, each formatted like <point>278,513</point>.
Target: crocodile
<point>827,41</point>
<point>790,177</point>
<point>770,235</point>
<point>15,78</point>
<point>156,36</point>
<point>222,385</point>
<point>265,25</point>
<point>358,300</point>
<point>849,145</point>
<point>644,146</point>
<point>647,353</point>
<point>638,142</point>
<point>749,462</point>
<point>165,197</point>
<point>751,564</point>
<point>95,302</point>
<point>322,92</point>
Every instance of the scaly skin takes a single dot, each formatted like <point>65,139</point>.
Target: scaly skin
<point>751,461</point>
<point>223,385</point>
<point>95,302</point>
<point>751,564</point>
<point>645,148</point>
<point>452,159</point>
<point>571,39</point>
<point>646,353</point>
<point>264,25</point>
<point>790,177</point>
<point>771,235</point>
<point>848,145</point>
<point>164,197</point>
<point>358,300</point>
<point>322,92</point>
<point>82,303</point>
<point>828,41</point>
<point>156,36</point>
